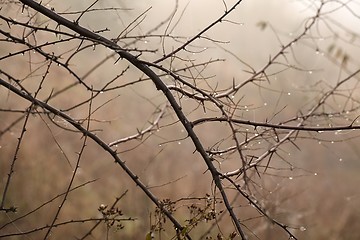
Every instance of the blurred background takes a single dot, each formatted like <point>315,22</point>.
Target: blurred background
<point>310,185</point>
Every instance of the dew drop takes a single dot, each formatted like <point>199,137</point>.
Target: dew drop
<point>310,72</point>
<point>160,145</point>
<point>291,178</point>
<point>179,143</point>
<point>340,159</point>
<point>265,104</point>
<point>302,228</point>
<point>315,174</point>
<point>288,93</point>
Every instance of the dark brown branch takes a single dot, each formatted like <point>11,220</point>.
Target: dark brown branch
<point>276,126</point>
<point>96,139</point>
<point>159,85</point>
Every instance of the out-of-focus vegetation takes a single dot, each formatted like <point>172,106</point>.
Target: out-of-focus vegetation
<point>270,89</point>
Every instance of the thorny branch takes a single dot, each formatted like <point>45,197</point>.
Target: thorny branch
<point>159,85</point>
